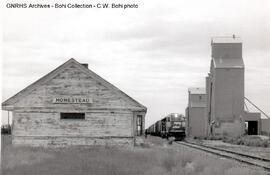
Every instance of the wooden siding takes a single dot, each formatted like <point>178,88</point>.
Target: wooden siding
<point>109,120</point>
<point>95,125</point>
<point>70,141</point>
<point>74,82</point>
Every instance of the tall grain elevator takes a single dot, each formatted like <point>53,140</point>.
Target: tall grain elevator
<point>225,87</point>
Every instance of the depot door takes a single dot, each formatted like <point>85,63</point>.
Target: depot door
<point>139,125</point>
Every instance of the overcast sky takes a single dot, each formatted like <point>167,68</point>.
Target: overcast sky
<point>153,53</point>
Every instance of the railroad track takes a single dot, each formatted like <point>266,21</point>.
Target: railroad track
<point>244,158</point>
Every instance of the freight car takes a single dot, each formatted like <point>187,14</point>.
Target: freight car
<point>173,125</point>
<point>151,129</point>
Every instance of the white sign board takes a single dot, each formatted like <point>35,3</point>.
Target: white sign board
<point>76,100</point>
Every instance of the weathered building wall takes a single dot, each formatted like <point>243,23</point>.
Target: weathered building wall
<point>73,82</point>
<point>234,128</point>
<point>221,49</point>
<point>265,126</point>
<point>61,141</point>
<point>228,94</point>
<point>228,101</point>
<point>103,123</point>
<point>225,85</point>
<point>197,121</point>
<point>110,115</point>
<point>196,113</point>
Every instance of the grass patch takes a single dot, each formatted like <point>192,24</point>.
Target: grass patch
<point>247,140</point>
<point>156,160</point>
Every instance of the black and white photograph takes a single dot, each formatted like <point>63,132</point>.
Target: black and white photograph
<point>135,87</point>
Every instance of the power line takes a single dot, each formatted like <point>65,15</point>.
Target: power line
<point>246,106</point>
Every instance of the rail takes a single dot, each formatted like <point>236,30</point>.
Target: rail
<point>244,158</point>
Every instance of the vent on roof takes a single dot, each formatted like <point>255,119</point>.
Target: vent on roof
<point>85,65</point>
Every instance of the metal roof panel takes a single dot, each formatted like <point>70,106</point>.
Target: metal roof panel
<point>197,90</point>
<point>228,63</point>
<point>198,104</point>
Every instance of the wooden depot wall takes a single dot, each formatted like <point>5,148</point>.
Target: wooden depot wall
<point>110,115</point>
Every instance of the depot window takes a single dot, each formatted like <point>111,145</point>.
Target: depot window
<point>73,116</point>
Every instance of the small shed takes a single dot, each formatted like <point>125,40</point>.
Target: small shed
<point>252,123</point>
<point>74,106</point>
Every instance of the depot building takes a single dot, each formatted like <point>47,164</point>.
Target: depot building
<point>74,106</point>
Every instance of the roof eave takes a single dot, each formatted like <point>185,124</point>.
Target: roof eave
<point>7,107</point>
<point>13,99</point>
<point>230,67</point>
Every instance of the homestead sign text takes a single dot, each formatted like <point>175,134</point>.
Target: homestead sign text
<point>72,100</point>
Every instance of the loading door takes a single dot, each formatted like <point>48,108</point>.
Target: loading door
<point>252,127</point>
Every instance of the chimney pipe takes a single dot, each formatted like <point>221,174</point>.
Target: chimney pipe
<point>85,65</point>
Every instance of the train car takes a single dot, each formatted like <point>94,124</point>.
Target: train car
<point>151,129</point>
<point>158,128</point>
<point>176,126</point>
<point>173,125</point>
<point>163,127</point>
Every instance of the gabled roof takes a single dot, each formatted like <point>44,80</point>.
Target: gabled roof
<point>52,74</point>
<point>197,90</point>
<point>228,63</point>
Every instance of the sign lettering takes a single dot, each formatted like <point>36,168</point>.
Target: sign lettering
<point>77,100</point>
